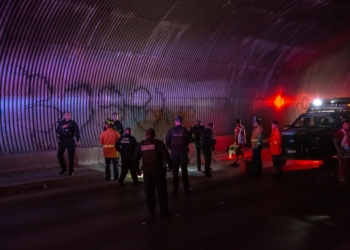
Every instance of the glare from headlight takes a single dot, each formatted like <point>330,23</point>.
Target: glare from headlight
<point>317,102</point>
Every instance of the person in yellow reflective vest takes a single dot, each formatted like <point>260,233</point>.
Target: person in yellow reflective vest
<point>257,145</point>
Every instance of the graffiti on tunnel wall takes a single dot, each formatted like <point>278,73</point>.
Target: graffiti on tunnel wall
<point>31,107</point>
<point>29,116</point>
<point>34,97</point>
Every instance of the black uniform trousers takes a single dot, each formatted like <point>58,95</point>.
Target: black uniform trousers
<point>115,168</point>
<point>128,164</point>
<point>69,145</point>
<point>207,158</point>
<point>256,160</point>
<point>197,150</point>
<point>277,163</point>
<point>155,179</point>
<point>179,158</point>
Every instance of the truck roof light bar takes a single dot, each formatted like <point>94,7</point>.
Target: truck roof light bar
<point>335,104</point>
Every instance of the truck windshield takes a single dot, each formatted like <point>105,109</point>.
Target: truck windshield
<point>315,120</point>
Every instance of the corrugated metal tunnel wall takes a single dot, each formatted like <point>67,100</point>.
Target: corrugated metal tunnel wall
<point>152,60</point>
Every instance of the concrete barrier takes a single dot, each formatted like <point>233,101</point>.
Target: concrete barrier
<point>48,159</point>
<point>83,156</point>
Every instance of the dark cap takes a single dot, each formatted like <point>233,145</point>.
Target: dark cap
<point>238,120</point>
<point>178,118</point>
<point>275,122</point>
<point>150,133</point>
<point>198,121</point>
<point>210,124</point>
<point>127,130</point>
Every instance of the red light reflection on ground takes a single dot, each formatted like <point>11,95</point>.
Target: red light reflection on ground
<point>291,165</point>
<point>225,157</point>
<point>301,165</point>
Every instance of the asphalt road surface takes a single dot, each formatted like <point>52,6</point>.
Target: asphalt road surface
<point>303,210</point>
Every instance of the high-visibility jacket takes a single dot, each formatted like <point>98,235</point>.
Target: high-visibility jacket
<point>240,137</point>
<point>257,137</point>
<point>275,142</point>
<point>108,139</point>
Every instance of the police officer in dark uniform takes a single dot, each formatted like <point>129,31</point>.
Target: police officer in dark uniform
<point>126,145</point>
<point>208,142</point>
<point>154,153</point>
<point>66,130</point>
<point>177,141</point>
<point>196,132</point>
<point>118,126</point>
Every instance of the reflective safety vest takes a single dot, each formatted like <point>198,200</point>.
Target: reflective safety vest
<point>240,136</point>
<point>257,138</point>
<point>108,139</point>
<point>275,142</point>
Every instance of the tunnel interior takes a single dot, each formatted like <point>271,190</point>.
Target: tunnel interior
<point>149,61</point>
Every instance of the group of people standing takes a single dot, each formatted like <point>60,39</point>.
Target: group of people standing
<point>203,142</point>
<point>118,141</point>
<point>257,143</point>
<point>153,153</point>
<point>341,142</point>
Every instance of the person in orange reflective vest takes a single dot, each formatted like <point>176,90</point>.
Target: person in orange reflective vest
<point>276,148</point>
<point>108,139</point>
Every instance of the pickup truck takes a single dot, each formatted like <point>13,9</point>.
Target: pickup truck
<point>310,136</point>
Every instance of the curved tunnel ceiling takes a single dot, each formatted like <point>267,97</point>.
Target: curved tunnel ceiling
<point>151,60</point>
